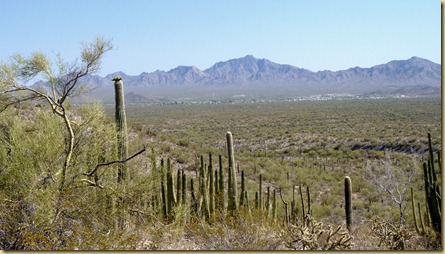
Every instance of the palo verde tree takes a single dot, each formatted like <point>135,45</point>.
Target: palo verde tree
<point>63,80</point>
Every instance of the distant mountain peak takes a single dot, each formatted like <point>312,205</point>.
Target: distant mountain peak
<point>249,57</point>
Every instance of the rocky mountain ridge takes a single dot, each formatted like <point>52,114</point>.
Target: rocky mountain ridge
<point>262,78</point>
<point>250,70</point>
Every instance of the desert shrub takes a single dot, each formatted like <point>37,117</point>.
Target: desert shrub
<point>45,217</point>
<point>390,237</point>
<point>315,235</point>
<point>244,231</point>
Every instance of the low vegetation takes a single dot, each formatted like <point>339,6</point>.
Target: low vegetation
<point>296,175</point>
<point>292,144</point>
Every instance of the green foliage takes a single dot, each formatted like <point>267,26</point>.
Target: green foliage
<point>49,218</point>
<point>311,148</point>
<point>18,137</point>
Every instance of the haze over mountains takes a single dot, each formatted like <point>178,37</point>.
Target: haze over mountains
<point>252,77</point>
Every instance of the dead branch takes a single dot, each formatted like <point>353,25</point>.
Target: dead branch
<point>114,162</point>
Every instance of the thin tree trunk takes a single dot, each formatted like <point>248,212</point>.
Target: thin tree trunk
<point>70,148</point>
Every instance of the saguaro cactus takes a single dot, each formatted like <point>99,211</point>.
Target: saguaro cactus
<point>221,186</point>
<point>433,197</point>
<point>293,209</point>
<point>260,194</point>
<point>194,201</point>
<point>203,200</point>
<point>170,189</point>
<point>232,188</point>
<point>432,190</point>
<point>286,211</point>
<point>179,187</point>
<point>211,185</point>
<point>215,188</point>
<point>267,205</point>
<point>121,122</point>
<point>414,214</point>
<point>163,191</point>
<point>309,210</point>
<point>348,202</point>
<point>243,189</point>
<point>184,188</point>
<point>274,205</point>
<point>122,143</point>
<point>303,215</point>
<point>246,199</point>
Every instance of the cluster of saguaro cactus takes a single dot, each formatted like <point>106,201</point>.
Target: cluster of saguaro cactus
<point>306,210</point>
<point>209,195</point>
<point>433,193</point>
<point>171,197</point>
<point>292,215</point>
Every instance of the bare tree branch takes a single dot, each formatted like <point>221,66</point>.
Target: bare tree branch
<point>391,179</point>
<point>113,162</point>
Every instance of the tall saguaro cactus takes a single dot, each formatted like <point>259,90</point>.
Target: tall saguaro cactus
<point>416,225</point>
<point>286,212</point>
<point>221,199</point>
<point>171,200</point>
<point>243,189</point>
<point>203,190</point>
<point>348,202</point>
<point>260,193</point>
<point>232,189</point>
<point>122,143</point>
<point>179,187</point>
<point>303,215</point>
<point>184,188</point>
<point>121,122</point>
<point>274,205</point>
<point>163,191</point>
<point>211,185</point>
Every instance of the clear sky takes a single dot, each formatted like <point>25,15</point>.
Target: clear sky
<point>151,35</point>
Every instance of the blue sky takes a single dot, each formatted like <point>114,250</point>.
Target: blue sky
<point>149,35</point>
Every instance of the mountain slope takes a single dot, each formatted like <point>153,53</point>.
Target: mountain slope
<point>414,76</point>
<point>250,70</point>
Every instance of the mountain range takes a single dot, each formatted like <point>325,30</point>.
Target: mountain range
<point>414,76</point>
